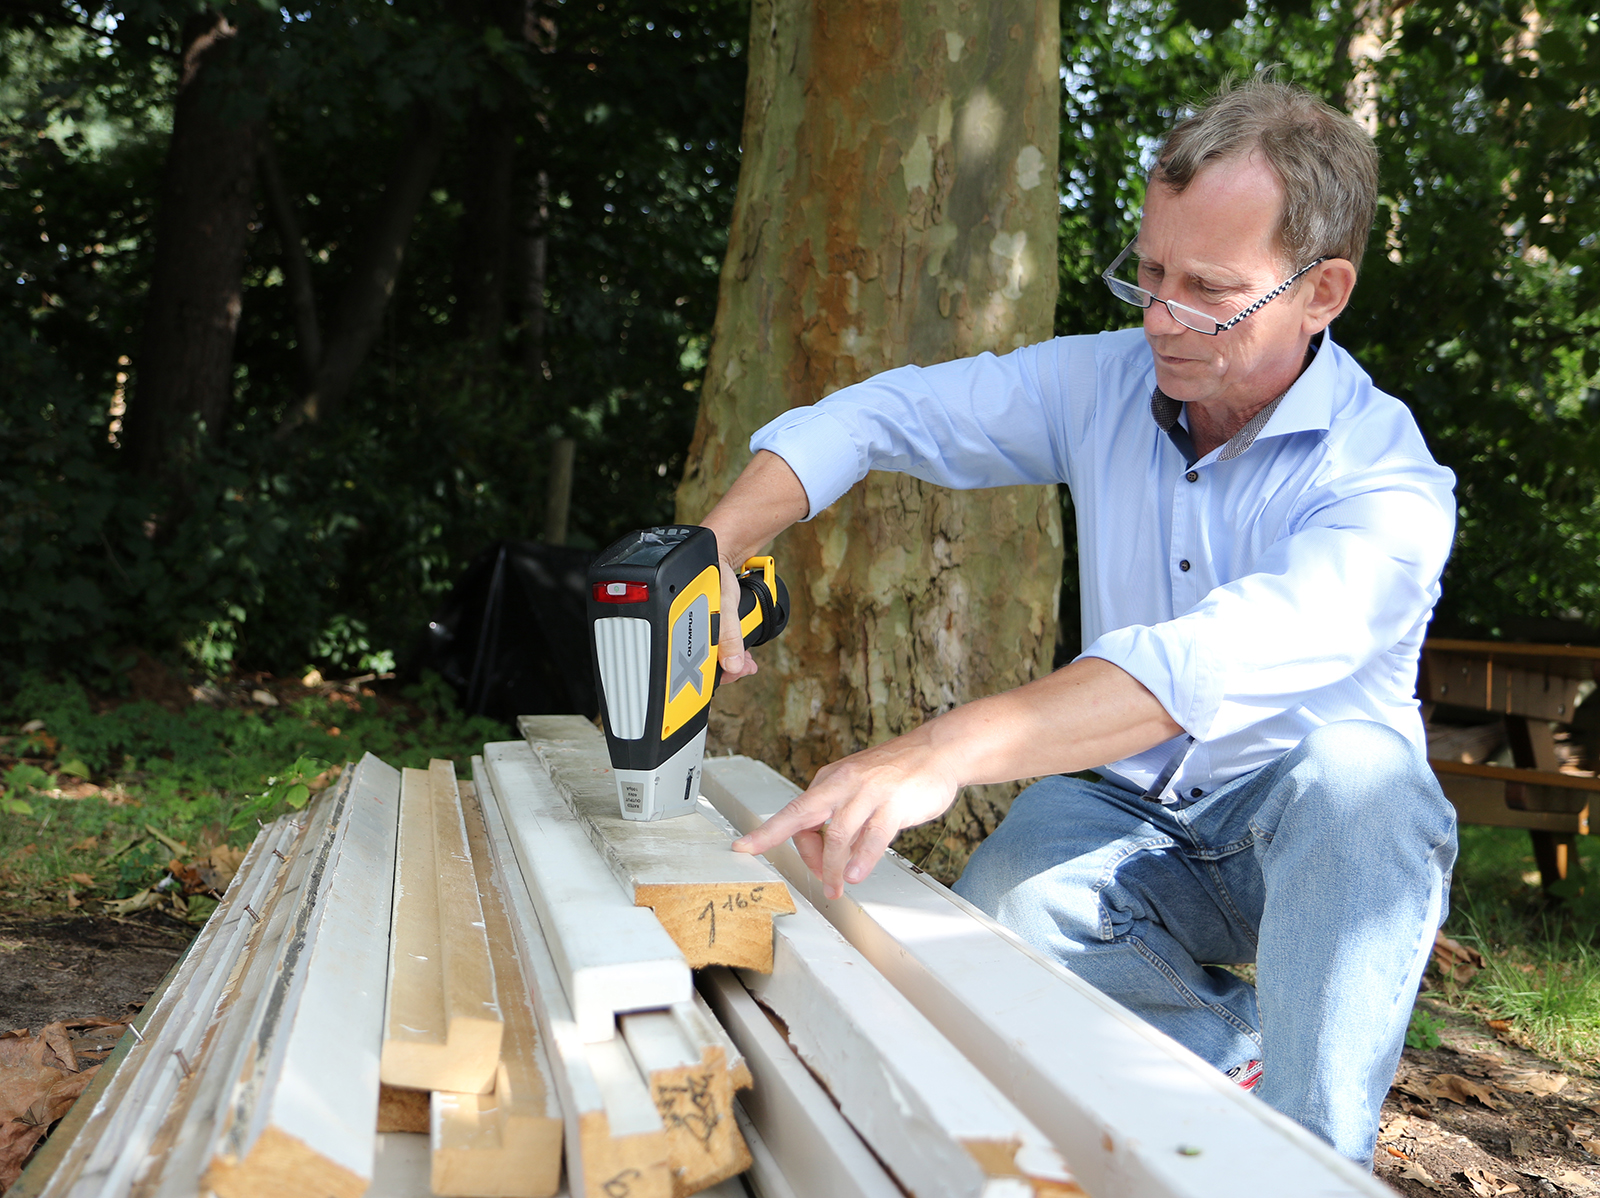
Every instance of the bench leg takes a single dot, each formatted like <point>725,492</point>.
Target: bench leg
<point>1551,852</point>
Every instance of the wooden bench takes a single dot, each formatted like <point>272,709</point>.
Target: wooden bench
<point>1530,687</point>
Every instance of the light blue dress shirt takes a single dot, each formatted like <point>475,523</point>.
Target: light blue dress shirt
<point>1257,598</point>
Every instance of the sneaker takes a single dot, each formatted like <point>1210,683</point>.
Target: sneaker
<point>1246,1076</point>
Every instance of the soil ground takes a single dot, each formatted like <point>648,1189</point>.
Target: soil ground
<point>67,967</point>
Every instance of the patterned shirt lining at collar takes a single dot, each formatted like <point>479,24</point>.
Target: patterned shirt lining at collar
<point>1165,410</point>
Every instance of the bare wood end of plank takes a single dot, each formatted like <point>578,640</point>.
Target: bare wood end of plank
<point>630,1166</point>
<point>402,1110</point>
<point>719,923</point>
<point>465,1063</point>
<point>279,1164</point>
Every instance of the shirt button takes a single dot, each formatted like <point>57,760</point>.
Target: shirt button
<point>1184,565</point>
<point>1196,793</point>
<point>1193,476</point>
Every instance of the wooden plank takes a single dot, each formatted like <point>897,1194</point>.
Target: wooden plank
<point>442,1020</point>
<point>303,1122</point>
<point>506,1144</point>
<point>611,956</point>
<point>1136,1114</point>
<point>1544,689</point>
<point>686,1061</point>
<point>615,1142</point>
<point>1543,779</point>
<point>810,1145</point>
<point>1582,659</point>
<point>717,905</point>
<point>194,1126</point>
<point>764,1177</point>
<point>113,1145</point>
<point>1483,800</point>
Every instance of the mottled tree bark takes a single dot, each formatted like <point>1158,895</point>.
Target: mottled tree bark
<point>185,366</point>
<point>896,204</point>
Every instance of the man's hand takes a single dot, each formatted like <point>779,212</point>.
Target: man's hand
<point>844,822</point>
<point>735,662</point>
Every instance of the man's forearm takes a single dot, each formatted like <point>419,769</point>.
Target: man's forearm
<point>764,500</point>
<point>1084,715</point>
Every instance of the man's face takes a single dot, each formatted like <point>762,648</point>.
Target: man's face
<point>1212,247</point>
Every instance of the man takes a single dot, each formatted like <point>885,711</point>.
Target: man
<point>1261,534</point>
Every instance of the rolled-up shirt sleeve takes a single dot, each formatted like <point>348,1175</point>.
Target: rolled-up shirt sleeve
<point>1355,574</point>
<point>977,422</point>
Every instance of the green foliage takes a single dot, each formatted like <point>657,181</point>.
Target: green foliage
<point>199,777</point>
<point>1423,1030</point>
<point>334,547</point>
<point>1479,302</point>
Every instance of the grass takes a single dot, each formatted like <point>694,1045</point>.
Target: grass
<point>97,798</point>
<point>1541,962</point>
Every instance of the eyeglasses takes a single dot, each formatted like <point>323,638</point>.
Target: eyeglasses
<point>1191,318</point>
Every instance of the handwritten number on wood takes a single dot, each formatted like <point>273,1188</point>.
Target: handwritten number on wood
<point>711,910</point>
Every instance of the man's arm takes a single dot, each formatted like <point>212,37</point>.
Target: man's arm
<point>764,500</point>
<point>1079,717</point>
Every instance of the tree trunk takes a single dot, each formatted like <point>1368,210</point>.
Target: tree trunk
<point>296,266</point>
<point>185,367</point>
<point>360,315</point>
<point>896,204</point>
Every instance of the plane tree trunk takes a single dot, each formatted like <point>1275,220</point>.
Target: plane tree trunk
<point>896,204</point>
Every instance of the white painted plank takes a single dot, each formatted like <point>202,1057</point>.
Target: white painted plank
<point>112,1149</point>
<point>303,1122</point>
<point>610,955</point>
<point>1119,1098</point>
<point>934,1120</point>
<point>764,1179</point>
<point>808,1140</point>
<point>613,1133</point>
<point>717,905</point>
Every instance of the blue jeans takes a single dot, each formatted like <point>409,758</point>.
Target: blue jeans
<point>1329,868</point>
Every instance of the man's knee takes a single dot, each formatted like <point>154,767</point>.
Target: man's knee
<point>1368,774</point>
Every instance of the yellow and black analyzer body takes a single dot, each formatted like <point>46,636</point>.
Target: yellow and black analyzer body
<point>655,614</point>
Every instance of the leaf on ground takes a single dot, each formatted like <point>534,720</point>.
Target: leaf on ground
<point>81,879</point>
<point>85,846</point>
<point>1455,1088</point>
<point>1456,961</point>
<point>1488,1185</point>
<point>1412,1171</point>
<point>146,898</point>
<point>33,1093</point>
<point>1416,1088</point>
<point>1532,1081</point>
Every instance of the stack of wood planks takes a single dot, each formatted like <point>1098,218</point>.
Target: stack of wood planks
<point>501,989</point>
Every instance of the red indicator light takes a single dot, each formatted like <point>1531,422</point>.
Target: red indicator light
<point>621,592</point>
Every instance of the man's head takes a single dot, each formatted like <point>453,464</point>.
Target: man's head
<point>1262,182</point>
<point>1324,161</point>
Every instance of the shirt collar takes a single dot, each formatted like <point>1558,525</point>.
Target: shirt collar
<point>1305,406</point>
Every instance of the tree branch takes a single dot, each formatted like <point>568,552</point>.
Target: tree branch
<point>360,315</point>
<point>296,269</point>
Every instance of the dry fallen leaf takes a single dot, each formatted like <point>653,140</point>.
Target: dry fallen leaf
<point>1489,1185</point>
<point>40,1079</point>
<point>1458,1089</point>
<point>81,879</point>
<point>1499,1025</point>
<point>1458,962</point>
<point>1415,1172</point>
<point>1532,1081</point>
<point>85,846</point>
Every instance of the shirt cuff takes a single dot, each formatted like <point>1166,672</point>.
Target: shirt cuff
<point>820,451</point>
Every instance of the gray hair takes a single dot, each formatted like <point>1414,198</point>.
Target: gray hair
<point>1325,162</point>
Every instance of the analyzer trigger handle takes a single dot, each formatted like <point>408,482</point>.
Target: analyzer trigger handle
<point>763,602</point>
